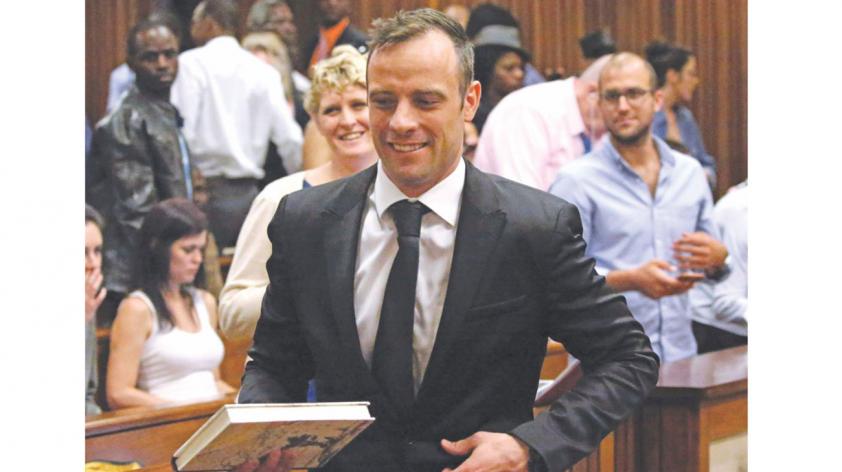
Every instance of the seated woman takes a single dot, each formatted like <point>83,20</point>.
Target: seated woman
<point>164,345</point>
<point>678,78</point>
<point>94,295</point>
<point>338,107</point>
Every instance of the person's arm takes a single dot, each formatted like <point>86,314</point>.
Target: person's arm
<point>281,363</point>
<point>730,296</point>
<point>129,332</point>
<point>286,134</point>
<point>239,302</point>
<point>595,325</point>
<point>133,175</point>
<point>651,278</point>
<point>210,304</point>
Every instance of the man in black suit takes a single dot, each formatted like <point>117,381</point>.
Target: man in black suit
<point>451,372</point>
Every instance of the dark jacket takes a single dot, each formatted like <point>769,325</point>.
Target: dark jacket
<point>519,274</point>
<point>350,35</point>
<point>136,161</point>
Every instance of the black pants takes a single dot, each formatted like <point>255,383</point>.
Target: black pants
<point>229,201</point>
<point>712,339</point>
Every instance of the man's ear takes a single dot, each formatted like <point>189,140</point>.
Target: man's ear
<point>471,101</point>
<point>659,99</point>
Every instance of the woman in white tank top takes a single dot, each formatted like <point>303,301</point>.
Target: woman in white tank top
<point>164,344</point>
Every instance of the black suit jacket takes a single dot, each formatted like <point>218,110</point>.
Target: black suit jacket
<point>350,35</point>
<point>519,274</point>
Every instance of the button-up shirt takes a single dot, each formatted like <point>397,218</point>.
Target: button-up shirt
<point>625,226</point>
<point>378,247</point>
<point>233,104</point>
<point>532,133</point>
<point>691,138</point>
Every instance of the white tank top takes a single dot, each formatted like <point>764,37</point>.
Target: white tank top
<point>177,365</point>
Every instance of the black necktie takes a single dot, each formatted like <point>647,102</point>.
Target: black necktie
<point>392,359</point>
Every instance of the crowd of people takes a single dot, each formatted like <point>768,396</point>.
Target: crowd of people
<point>330,164</point>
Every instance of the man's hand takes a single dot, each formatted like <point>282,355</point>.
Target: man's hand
<point>93,300</point>
<point>699,251</point>
<point>277,460</point>
<point>653,280</point>
<point>489,452</point>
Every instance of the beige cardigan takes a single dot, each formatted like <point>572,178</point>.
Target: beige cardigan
<point>242,295</point>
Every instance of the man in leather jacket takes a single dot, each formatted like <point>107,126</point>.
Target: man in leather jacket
<point>138,155</point>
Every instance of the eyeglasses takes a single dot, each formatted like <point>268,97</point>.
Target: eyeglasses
<point>634,96</point>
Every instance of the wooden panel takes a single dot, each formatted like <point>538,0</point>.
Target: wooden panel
<point>716,30</point>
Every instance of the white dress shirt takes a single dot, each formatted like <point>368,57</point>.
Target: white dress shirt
<point>378,247</point>
<point>233,104</point>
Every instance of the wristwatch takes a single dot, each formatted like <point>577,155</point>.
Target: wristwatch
<point>719,273</point>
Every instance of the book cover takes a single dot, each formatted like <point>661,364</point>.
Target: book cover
<point>315,432</point>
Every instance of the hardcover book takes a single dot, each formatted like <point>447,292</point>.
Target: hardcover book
<point>237,433</point>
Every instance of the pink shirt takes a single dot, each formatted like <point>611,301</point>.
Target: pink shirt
<point>532,133</point>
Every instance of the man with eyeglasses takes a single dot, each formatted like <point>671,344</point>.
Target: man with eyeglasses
<point>646,210</point>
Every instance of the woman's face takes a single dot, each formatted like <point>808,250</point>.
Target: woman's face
<point>508,74</point>
<point>186,257</point>
<point>342,119</point>
<point>686,81</point>
<point>93,248</point>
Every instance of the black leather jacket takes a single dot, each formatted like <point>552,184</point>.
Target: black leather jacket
<point>135,162</point>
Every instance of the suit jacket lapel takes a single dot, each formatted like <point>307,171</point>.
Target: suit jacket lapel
<point>342,217</point>
<point>481,222</point>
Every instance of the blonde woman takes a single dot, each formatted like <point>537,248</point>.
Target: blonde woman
<point>338,107</point>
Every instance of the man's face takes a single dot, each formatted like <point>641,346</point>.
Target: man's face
<point>282,22</point>
<point>156,61</point>
<point>334,10</point>
<point>627,101</point>
<point>416,112</point>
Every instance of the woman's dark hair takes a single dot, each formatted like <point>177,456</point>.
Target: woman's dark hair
<point>485,58</point>
<point>486,14</point>
<point>666,56</point>
<point>93,216</point>
<point>167,222</point>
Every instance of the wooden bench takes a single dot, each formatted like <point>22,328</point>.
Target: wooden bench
<point>148,435</point>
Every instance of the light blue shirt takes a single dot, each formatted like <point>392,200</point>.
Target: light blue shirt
<point>691,138</point>
<point>625,227</point>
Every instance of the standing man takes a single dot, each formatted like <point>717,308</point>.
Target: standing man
<point>138,155</point>
<point>645,209</point>
<point>233,104</point>
<point>335,29</point>
<point>429,288</point>
<point>535,131</point>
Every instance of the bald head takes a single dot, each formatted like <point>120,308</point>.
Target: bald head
<point>627,60</point>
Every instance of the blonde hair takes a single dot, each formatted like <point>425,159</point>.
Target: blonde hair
<point>272,45</point>
<point>344,67</point>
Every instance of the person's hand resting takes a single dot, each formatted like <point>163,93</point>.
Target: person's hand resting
<point>699,251</point>
<point>489,452</point>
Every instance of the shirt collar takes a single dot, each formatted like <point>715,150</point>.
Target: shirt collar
<point>223,41</point>
<point>443,199</point>
<point>665,153</point>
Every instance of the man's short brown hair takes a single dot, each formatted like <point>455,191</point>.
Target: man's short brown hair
<point>407,25</point>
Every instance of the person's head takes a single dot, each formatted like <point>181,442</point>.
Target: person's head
<point>676,69</point>
<point>213,18</point>
<point>171,241</point>
<point>487,14</point>
<point>152,53</point>
<point>587,90</point>
<point>628,98</point>
<point>338,105</point>
<point>267,46</point>
<point>458,12</point>
<point>597,44</point>
<point>420,90</point>
<point>499,60</point>
<point>93,240</point>
<point>332,11</point>
<point>275,16</point>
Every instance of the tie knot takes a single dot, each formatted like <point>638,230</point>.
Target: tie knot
<point>407,216</point>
